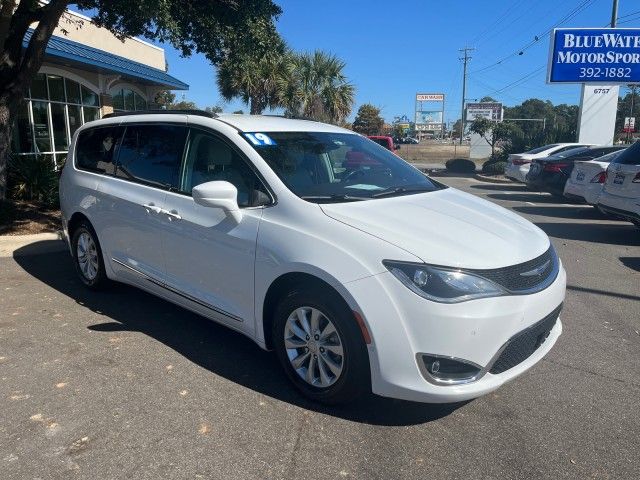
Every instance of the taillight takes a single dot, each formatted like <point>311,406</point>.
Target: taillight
<point>555,167</point>
<point>520,162</point>
<point>600,178</point>
<point>636,179</point>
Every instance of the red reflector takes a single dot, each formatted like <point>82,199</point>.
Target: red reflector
<point>555,167</point>
<point>600,178</point>
<point>363,327</point>
<point>520,162</point>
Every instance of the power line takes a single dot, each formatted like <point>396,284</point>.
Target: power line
<point>575,11</point>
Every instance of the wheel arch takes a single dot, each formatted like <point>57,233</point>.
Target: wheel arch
<point>290,282</point>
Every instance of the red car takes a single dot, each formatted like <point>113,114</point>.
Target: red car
<point>386,142</point>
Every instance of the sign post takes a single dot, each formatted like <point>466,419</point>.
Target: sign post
<point>600,59</point>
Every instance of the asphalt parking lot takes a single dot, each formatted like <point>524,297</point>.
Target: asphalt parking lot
<point>121,384</point>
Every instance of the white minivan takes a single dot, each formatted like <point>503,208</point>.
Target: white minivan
<point>362,273</point>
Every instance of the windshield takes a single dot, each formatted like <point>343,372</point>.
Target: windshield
<point>336,167</point>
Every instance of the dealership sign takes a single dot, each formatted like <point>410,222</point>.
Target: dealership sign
<point>429,97</point>
<point>595,55</point>
<point>489,110</point>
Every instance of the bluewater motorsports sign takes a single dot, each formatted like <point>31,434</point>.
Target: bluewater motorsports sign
<point>608,56</point>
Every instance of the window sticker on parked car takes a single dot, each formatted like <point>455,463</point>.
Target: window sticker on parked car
<point>259,139</point>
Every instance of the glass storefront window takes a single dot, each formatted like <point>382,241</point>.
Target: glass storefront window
<point>56,88</point>
<point>41,126</point>
<point>54,109</point>
<point>75,118</point>
<point>39,87</point>
<point>141,103</point>
<point>59,127</point>
<point>118,99</point>
<point>89,97</point>
<point>91,114</point>
<point>129,100</point>
<point>73,91</point>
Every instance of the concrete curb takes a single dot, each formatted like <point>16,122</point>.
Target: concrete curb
<point>485,178</point>
<point>36,244</point>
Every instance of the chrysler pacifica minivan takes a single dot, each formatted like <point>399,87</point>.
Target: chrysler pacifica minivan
<point>359,271</point>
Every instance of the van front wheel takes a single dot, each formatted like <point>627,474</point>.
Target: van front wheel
<point>87,257</point>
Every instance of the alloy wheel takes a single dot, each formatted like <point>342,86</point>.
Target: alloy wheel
<point>87,255</point>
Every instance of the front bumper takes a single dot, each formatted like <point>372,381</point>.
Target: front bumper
<point>404,325</point>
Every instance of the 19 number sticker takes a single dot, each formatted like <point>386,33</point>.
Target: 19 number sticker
<point>259,139</point>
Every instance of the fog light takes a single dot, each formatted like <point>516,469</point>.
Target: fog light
<point>449,370</point>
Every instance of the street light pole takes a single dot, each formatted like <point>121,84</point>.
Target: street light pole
<point>614,14</point>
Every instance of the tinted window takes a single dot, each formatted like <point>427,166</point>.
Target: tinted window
<point>630,156</point>
<point>96,148</point>
<point>152,154</point>
<point>209,159</point>
<point>564,149</point>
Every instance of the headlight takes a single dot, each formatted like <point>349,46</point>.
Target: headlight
<point>443,284</point>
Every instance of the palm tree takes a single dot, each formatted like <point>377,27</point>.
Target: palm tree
<point>313,85</point>
<point>255,80</point>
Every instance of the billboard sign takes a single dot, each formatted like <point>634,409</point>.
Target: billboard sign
<point>608,56</point>
<point>629,124</point>
<point>429,97</point>
<point>429,127</point>
<point>489,110</point>
<point>430,116</point>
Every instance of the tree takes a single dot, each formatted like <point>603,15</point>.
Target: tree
<point>494,133</point>
<point>214,109</point>
<point>255,76</point>
<point>455,130</point>
<point>314,86</point>
<point>239,112</point>
<point>183,104</point>
<point>368,120</point>
<point>212,28</point>
<point>164,98</point>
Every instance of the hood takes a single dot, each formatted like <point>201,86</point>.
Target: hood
<point>446,227</point>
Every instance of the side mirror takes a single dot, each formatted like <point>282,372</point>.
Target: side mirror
<point>218,194</point>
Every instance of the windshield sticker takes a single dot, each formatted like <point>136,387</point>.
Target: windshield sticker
<point>364,186</point>
<point>259,139</point>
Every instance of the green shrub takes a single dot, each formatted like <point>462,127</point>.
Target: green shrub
<point>32,178</point>
<point>491,167</point>
<point>460,165</point>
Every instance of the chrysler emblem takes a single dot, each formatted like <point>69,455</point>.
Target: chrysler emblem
<point>536,271</point>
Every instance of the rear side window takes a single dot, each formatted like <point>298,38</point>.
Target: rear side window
<point>542,149</point>
<point>152,154</point>
<point>96,147</point>
<point>629,156</point>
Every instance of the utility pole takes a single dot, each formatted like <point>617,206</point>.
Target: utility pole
<point>614,14</point>
<point>633,96</point>
<point>464,60</point>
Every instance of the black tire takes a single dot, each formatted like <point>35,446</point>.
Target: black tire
<point>355,378</point>
<point>100,280</point>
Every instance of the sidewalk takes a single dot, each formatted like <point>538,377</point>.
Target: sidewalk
<point>35,244</point>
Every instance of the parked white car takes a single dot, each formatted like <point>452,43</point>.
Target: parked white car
<point>621,194</point>
<point>518,164</point>
<point>587,179</point>
<point>358,270</point>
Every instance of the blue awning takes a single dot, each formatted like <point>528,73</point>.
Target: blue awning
<point>67,51</point>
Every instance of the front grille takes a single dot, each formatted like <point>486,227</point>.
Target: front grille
<point>520,279</point>
<point>522,345</point>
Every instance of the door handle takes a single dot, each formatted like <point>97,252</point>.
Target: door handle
<point>150,207</point>
<point>173,215</point>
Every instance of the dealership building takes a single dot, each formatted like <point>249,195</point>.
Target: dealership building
<point>87,73</point>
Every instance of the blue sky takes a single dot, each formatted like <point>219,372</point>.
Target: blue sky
<point>393,50</point>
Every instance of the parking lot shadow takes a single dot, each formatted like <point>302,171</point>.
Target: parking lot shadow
<point>526,197</point>
<point>506,187</point>
<point>610,233</point>
<point>218,349</point>
<point>631,262</point>
<point>562,211</point>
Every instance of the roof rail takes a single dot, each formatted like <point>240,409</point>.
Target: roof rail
<point>201,113</point>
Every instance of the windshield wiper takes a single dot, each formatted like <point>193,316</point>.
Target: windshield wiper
<point>332,198</point>
<point>389,192</point>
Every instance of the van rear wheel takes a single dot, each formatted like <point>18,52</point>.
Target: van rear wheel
<point>87,257</point>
